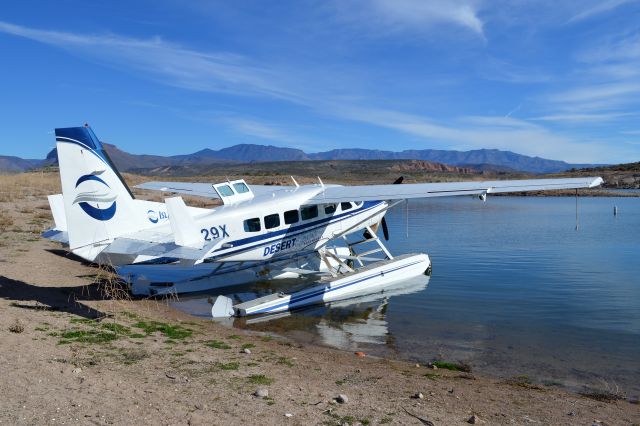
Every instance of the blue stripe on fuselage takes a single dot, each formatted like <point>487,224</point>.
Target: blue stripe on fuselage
<point>294,230</point>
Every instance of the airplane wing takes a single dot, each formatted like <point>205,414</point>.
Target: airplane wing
<point>191,188</point>
<point>336,194</point>
<point>204,189</point>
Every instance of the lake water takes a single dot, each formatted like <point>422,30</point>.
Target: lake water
<point>515,290</point>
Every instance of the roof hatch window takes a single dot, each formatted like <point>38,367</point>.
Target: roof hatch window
<point>225,190</point>
<point>240,187</point>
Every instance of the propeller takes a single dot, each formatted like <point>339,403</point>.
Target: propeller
<point>385,230</point>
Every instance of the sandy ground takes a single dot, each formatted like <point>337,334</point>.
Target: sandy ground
<point>71,354</point>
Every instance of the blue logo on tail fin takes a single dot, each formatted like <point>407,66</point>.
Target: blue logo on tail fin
<point>95,196</point>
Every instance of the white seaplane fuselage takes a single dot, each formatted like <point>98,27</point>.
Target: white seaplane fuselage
<point>278,225</point>
<point>250,243</point>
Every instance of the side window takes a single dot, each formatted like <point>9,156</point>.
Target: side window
<point>291,216</point>
<point>330,209</point>
<point>345,206</point>
<point>240,188</point>
<point>309,212</point>
<point>272,221</point>
<point>252,225</point>
<point>359,204</point>
<point>225,190</point>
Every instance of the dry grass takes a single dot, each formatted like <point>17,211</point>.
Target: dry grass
<point>608,392</point>
<point>28,185</point>
<point>44,215</point>
<point>6,221</point>
<point>115,297</point>
<point>37,185</point>
<point>112,290</point>
<point>16,327</point>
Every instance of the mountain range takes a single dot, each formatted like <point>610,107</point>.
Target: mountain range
<point>480,159</point>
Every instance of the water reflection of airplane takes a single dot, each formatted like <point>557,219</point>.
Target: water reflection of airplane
<point>343,324</point>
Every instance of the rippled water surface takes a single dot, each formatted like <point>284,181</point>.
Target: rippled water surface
<point>515,290</point>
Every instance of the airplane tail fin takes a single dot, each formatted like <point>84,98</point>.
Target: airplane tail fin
<point>98,204</point>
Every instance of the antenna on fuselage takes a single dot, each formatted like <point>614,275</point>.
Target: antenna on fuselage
<point>294,181</point>
<point>321,183</point>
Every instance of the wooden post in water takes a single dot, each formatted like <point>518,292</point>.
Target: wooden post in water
<point>615,210</point>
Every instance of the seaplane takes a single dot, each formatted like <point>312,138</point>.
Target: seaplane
<point>256,233</point>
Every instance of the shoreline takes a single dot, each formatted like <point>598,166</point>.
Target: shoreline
<point>144,361</point>
<point>76,349</point>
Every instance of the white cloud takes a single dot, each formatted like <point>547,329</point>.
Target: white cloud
<point>168,62</point>
<point>410,15</point>
<point>600,8</point>
<point>613,48</point>
<point>584,118</point>
<point>257,129</point>
<point>598,92</point>
<point>485,132</point>
<point>605,80</point>
<point>501,70</point>
<point>179,66</point>
<point>280,133</point>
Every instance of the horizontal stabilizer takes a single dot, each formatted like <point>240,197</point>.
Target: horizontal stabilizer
<point>185,230</point>
<point>146,249</point>
<point>56,235</point>
<point>56,203</point>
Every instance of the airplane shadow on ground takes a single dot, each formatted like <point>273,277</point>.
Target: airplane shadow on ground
<point>62,299</point>
<point>68,255</point>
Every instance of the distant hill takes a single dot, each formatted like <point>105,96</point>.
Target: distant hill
<point>248,153</point>
<point>616,176</point>
<point>487,157</point>
<point>483,159</point>
<point>361,171</point>
<point>10,164</point>
<point>126,161</point>
<point>625,167</point>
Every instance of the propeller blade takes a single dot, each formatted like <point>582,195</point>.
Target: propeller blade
<point>385,230</point>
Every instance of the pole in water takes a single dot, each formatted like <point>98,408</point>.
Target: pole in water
<point>576,209</point>
<point>407,212</point>
<point>615,210</point>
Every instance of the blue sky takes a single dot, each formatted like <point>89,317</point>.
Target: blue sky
<point>558,79</point>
